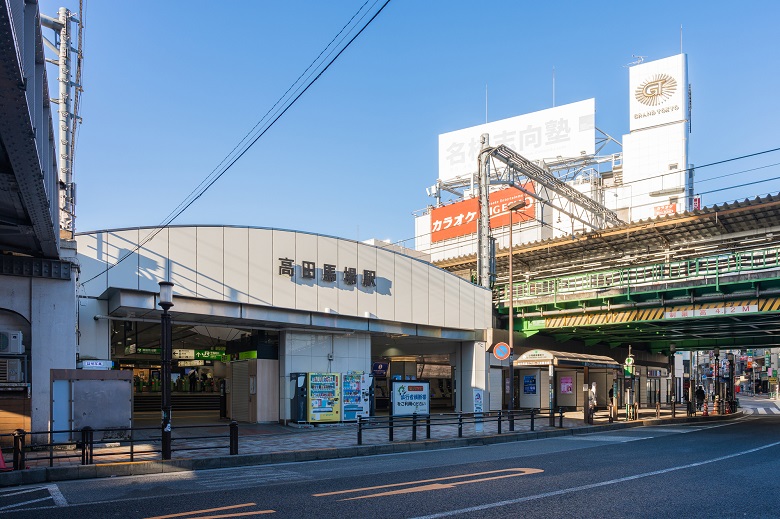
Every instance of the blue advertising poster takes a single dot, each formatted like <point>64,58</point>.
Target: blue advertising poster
<point>529,384</point>
<point>379,369</point>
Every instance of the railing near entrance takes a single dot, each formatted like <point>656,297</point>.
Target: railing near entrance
<point>504,422</point>
<point>716,266</point>
<point>89,451</point>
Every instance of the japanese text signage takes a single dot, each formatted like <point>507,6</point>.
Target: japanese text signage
<point>410,397</point>
<point>460,218</point>
<point>710,312</point>
<point>329,272</point>
<point>563,131</point>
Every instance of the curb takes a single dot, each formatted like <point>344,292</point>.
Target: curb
<point>136,468</point>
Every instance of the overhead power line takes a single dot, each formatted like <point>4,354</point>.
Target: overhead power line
<point>279,108</point>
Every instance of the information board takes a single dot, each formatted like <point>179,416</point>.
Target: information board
<point>410,396</point>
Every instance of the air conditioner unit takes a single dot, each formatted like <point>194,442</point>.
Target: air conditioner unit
<point>11,343</point>
<point>11,370</point>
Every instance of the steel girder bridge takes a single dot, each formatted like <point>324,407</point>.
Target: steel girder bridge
<point>695,281</point>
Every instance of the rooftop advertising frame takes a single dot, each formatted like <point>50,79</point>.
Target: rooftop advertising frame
<point>562,131</point>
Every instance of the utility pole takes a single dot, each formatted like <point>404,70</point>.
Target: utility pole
<point>483,224</point>
<point>62,46</point>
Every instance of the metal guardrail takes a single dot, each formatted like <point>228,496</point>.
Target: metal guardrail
<point>716,266</point>
<point>85,445</point>
<point>460,419</point>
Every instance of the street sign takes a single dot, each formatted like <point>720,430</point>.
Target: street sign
<point>501,351</point>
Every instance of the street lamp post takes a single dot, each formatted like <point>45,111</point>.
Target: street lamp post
<point>166,302</point>
<point>512,208</point>
<point>730,388</point>
<point>672,395</point>
<point>716,376</point>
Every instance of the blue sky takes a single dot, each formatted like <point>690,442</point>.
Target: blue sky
<point>172,87</point>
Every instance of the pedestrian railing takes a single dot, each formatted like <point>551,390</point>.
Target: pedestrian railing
<point>504,422</point>
<point>130,446</point>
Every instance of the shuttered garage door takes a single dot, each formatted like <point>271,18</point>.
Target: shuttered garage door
<point>240,389</point>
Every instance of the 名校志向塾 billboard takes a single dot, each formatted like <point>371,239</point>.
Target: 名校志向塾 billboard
<point>563,131</point>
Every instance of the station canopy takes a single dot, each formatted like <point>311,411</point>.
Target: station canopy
<point>565,360</point>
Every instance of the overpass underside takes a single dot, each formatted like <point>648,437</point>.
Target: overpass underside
<point>690,316</point>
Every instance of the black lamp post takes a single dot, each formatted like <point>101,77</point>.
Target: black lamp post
<point>166,302</point>
<point>512,208</point>
<point>730,389</point>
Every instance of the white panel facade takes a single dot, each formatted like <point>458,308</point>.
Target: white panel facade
<point>348,294</point>
<point>121,246</point>
<point>420,294</point>
<point>283,284</point>
<point>306,272</point>
<point>451,301</point>
<point>436,293</point>
<point>236,264</point>
<point>467,308</point>
<point>183,273</point>
<point>367,294</point>
<point>239,265</point>
<point>262,267</point>
<point>92,261</point>
<point>654,163</point>
<point>153,261</point>
<point>402,289</point>
<point>328,291</point>
<point>385,285</point>
<point>209,263</point>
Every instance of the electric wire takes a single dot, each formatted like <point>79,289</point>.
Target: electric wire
<point>249,140</point>
<point>435,248</point>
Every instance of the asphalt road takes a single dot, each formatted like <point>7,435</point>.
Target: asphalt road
<point>724,469</point>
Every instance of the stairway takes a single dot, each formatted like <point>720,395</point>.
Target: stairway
<point>145,402</point>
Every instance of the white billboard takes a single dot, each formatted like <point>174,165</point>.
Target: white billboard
<point>658,92</point>
<point>564,131</point>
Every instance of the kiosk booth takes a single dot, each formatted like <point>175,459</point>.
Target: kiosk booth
<point>558,379</point>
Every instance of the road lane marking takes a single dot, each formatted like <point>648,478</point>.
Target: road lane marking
<point>433,484</point>
<point>563,491</point>
<point>605,438</point>
<point>57,496</point>
<point>219,509</point>
<point>31,501</point>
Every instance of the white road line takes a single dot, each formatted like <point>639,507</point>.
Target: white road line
<point>16,505</point>
<point>605,438</point>
<point>57,496</point>
<point>519,500</point>
<point>15,492</point>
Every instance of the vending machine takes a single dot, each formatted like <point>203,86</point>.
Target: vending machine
<point>357,395</point>
<point>324,397</point>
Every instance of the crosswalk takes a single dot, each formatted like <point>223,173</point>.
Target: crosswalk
<point>757,411</point>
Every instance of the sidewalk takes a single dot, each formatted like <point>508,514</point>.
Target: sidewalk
<point>274,443</point>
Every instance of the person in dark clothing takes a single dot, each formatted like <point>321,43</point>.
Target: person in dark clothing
<point>699,397</point>
<point>193,380</point>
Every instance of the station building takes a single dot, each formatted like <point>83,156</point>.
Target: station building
<point>281,302</point>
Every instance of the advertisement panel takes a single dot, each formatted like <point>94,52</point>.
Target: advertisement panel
<point>411,397</point>
<point>658,92</point>
<point>565,131</point>
<point>460,218</point>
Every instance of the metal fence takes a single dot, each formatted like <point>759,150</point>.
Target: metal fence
<point>712,267</point>
<point>123,448</point>
<point>502,419</point>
